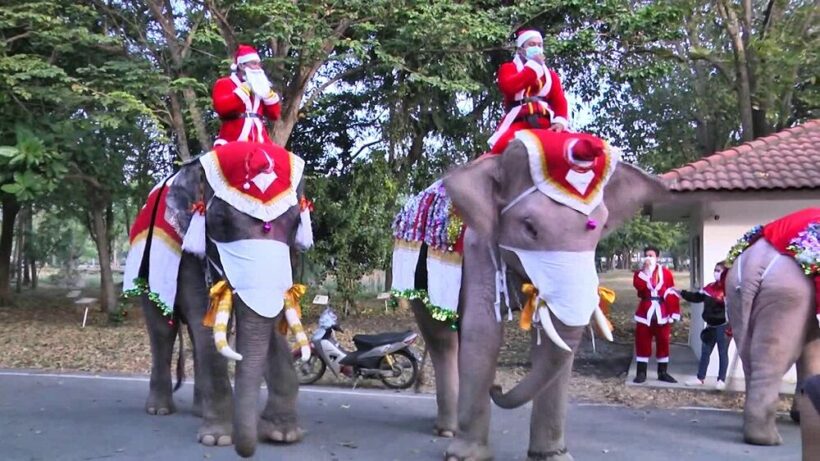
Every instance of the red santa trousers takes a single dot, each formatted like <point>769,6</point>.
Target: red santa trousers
<point>643,341</point>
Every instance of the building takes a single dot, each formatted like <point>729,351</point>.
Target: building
<point>725,194</point>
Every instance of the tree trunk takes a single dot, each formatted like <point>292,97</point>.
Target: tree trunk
<point>178,122</point>
<point>108,298</point>
<point>20,255</point>
<point>743,84</point>
<point>10,209</point>
<point>33,267</point>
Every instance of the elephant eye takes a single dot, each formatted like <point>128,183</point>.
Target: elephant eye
<point>530,228</point>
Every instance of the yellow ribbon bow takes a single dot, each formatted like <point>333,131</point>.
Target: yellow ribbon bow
<point>292,301</point>
<point>525,322</point>
<point>606,298</point>
<point>221,297</point>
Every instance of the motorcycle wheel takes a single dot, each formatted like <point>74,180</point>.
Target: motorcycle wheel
<point>405,369</point>
<point>311,371</point>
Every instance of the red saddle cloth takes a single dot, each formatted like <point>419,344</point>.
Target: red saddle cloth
<point>257,179</point>
<point>570,168</point>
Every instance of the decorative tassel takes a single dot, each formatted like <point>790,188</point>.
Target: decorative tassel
<point>293,312</point>
<point>194,241</point>
<point>222,303</point>
<point>525,322</point>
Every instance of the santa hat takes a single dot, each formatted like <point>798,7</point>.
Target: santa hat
<point>244,53</point>
<point>525,35</point>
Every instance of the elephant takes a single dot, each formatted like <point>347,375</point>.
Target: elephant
<point>770,304</point>
<point>229,225</point>
<point>504,216</point>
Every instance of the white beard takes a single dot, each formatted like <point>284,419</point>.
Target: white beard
<point>258,82</point>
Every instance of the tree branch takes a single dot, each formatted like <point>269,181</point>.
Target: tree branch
<point>340,76</point>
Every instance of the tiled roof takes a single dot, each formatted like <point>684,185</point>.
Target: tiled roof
<point>789,159</point>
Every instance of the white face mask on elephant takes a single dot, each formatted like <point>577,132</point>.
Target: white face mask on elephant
<point>567,283</point>
<point>259,272</point>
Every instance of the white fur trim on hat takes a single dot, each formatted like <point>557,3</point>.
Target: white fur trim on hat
<point>527,36</point>
<point>247,58</point>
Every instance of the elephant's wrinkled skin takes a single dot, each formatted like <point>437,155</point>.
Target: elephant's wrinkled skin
<point>465,363</point>
<point>265,351</point>
<point>774,326</point>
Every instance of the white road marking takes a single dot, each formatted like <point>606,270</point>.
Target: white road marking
<point>309,390</point>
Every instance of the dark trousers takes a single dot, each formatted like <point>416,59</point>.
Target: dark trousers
<point>722,342</point>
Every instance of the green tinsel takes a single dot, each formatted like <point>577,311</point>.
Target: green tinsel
<point>438,313</point>
<point>744,242</point>
<point>141,288</point>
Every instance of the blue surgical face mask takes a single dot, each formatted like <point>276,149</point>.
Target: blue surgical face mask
<point>533,51</point>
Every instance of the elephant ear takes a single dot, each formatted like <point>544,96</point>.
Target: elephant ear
<point>473,190</point>
<point>628,190</point>
<point>183,192</point>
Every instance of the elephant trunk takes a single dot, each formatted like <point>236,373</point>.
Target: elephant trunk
<point>547,364</point>
<point>253,335</point>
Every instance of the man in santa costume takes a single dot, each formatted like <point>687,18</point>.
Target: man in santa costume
<point>244,100</point>
<point>658,308</point>
<point>533,96</point>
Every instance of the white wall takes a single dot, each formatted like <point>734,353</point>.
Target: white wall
<point>722,224</point>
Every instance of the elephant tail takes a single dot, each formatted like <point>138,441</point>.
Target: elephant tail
<point>180,361</point>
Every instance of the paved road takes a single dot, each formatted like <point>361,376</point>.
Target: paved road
<point>71,417</point>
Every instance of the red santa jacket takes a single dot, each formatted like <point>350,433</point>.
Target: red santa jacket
<point>242,112</point>
<point>656,296</point>
<point>528,89</point>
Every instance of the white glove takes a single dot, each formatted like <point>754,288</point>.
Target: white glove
<point>258,82</point>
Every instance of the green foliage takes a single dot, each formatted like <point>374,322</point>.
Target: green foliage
<point>641,232</point>
<point>351,221</point>
<point>29,170</point>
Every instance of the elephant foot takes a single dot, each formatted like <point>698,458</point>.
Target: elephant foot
<point>463,450</point>
<point>215,434</point>
<point>794,414</point>
<point>281,429</point>
<point>554,455</point>
<point>761,434</point>
<point>159,405</point>
<point>444,430</point>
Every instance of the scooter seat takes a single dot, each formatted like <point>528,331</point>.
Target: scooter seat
<point>371,341</point>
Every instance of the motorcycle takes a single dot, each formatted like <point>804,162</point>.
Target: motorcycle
<point>385,356</point>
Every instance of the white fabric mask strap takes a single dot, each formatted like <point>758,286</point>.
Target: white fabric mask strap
<point>498,284</point>
<point>519,198</point>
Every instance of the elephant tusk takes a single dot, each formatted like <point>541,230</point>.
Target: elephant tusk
<point>603,325</point>
<point>546,322</point>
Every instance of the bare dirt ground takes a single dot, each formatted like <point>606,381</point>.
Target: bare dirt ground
<point>43,331</point>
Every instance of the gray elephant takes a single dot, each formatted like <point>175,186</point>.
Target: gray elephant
<point>772,305</point>
<point>232,214</point>
<point>548,238</point>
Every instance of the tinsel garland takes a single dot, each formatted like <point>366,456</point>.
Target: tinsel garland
<point>442,315</point>
<point>744,242</point>
<point>806,249</point>
<point>141,288</point>
<point>429,217</point>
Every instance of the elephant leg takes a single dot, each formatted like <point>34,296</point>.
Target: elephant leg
<point>794,411</point>
<point>279,422</point>
<point>253,336</point>
<point>479,343</point>
<point>442,344</point>
<point>775,336</point>
<point>212,387</point>
<point>549,409</point>
<point>808,400</point>
<point>162,336</point>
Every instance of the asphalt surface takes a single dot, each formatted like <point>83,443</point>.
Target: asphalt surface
<point>80,417</point>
